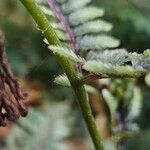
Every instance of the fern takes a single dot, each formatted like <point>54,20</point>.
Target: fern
<point>73,22</point>
<point>88,32</point>
<point>103,53</point>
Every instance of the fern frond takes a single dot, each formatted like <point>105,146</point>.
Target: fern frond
<point>117,62</point>
<point>98,67</point>
<point>85,31</point>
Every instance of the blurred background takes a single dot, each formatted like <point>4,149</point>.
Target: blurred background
<point>54,121</point>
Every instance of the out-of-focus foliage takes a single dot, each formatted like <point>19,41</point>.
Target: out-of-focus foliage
<point>131,23</point>
<point>26,51</point>
<point>43,129</point>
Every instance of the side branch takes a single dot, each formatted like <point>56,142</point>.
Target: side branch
<point>92,77</point>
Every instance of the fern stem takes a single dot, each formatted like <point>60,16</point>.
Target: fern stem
<point>68,66</point>
<point>64,23</point>
<point>92,77</point>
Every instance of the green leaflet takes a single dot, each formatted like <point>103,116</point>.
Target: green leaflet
<point>135,105</point>
<point>63,80</point>
<point>97,42</point>
<point>147,79</point>
<point>61,34</point>
<point>72,5</point>
<point>147,53</point>
<point>114,57</point>
<point>85,14</point>
<point>90,89</point>
<point>110,100</point>
<point>99,67</point>
<point>66,53</point>
<point>121,57</point>
<point>92,27</point>
<point>140,60</point>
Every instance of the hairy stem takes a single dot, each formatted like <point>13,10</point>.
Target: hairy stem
<point>69,69</point>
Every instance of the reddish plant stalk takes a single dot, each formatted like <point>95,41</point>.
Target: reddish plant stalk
<point>64,24</point>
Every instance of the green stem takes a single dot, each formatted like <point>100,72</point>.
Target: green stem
<point>69,69</point>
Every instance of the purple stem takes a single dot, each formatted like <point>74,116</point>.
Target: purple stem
<point>64,24</point>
